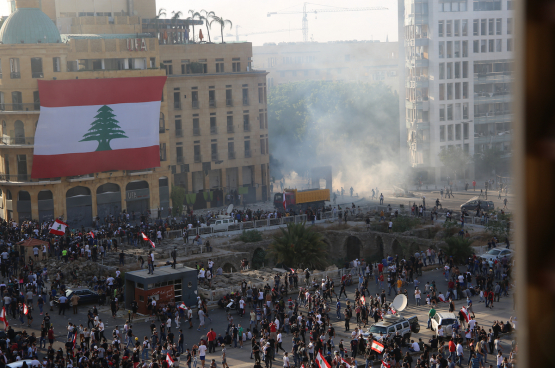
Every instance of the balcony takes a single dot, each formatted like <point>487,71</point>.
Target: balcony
<point>493,117</point>
<point>26,178</point>
<point>198,158</point>
<point>248,153</point>
<point>419,105</point>
<point>230,129</point>
<point>177,105</point>
<point>195,104</point>
<point>179,132</point>
<point>245,101</point>
<point>489,97</point>
<point>417,63</point>
<point>212,103</point>
<point>20,107</point>
<point>196,131</point>
<point>18,141</point>
<point>229,102</point>
<point>246,127</point>
<point>179,159</point>
<point>15,75</point>
<point>214,156</point>
<point>492,138</point>
<point>231,155</point>
<point>37,74</point>
<point>498,77</point>
<point>213,130</point>
<point>417,82</point>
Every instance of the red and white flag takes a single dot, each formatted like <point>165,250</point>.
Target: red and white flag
<point>284,204</point>
<point>74,340</point>
<point>105,124</point>
<point>169,359</point>
<point>442,298</point>
<point>465,313</point>
<point>385,364</point>
<point>321,361</point>
<point>346,364</point>
<point>376,346</point>
<point>182,306</point>
<point>363,300</point>
<point>25,310</point>
<point>146,238</point>
<point>58,228</point>
<point>4,318</point>
<point>91,234</point>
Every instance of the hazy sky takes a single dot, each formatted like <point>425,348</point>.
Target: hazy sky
<point>251,16</point>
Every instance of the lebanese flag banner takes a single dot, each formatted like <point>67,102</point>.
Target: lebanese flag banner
<point>376,346</point>
<point>442,298</point>
<point>4,318</point>
<point>93,125</point>
<point>182,306</point>
<point>284,204</point>
<point>322,363</point>
<point>346,364</point>
<point>58,228</point>
<point>385,364</point>
<point>363,300</point>
<point>169,359</point>
<point>25,310</point>
<point>91,234</point>
<point>465,314</point>
<point>146,238</point>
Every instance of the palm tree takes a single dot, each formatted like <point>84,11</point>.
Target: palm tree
<point>207,16</point>
<point>175,17</point>
<point>161,13</point>
<point>222,22</point>
<point>299,246</point>
<point>194,15</point>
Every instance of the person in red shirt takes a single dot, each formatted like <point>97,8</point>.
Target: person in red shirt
<point>452,349</point>
<point>273,330</point>
<point>211,336</point>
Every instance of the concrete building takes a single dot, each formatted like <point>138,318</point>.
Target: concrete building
<point>366,61</point>
<point>197,149</point>
<point>458,75</point>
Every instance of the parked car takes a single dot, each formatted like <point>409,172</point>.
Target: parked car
<point>497,253</point>
<point>85,296</point>
<point>19,363</point>
<point>392,324</point>
<point>444,319</point>
<point>472,205</point>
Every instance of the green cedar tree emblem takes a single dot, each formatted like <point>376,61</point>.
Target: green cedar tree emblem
<point>103,129</point>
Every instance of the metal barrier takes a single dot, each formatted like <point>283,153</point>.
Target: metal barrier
<point>204,230</point>
<point>300,218</point>
<point>287,220</point>
<point>274,221</point>
<point>260,223</point>
<point>247,225</point>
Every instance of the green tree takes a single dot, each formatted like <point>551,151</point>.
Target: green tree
<point>177,196</point>
<point>161,13</point>
<point>251,236</point>
<point>488,161</point>
<point>459,248</point>
<point>207,16</point>
<point>299,246</point>
<point>175,16</point>
<point>194,16</point>
<point>455,159</point>
<point>500,228</point>
<point>361,119</point>
<point>103,129</point>
<point>222,23</point>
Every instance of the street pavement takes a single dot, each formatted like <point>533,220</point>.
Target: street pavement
<point>237,357</point>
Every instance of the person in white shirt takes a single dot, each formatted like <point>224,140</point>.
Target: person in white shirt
<point>417,296</point>
<point>202,353</point>
<point>460,353</point>
<point>285,360</point>
<point>414,346</point>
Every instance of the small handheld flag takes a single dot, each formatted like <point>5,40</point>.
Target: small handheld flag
<point>91,234</point>
<point>376,346</point>
<point>25,310</point>
<point>58,228</point>
<point>169,359</point>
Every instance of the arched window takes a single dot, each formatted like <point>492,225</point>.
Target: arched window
<point>19,132</point>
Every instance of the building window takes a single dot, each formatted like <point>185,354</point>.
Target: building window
<point>177,101</point>
<point>213,126</point>
<point>163,152</point>
<point>457,91</point>
<point>248,149</point>
<point>498,45</point>
<point>196,126</point>
<point>457,49</point>
<point>449,70</point>
<point>509,26</point>
<point>178,128</point>
<point>476,27</point>
<point>56,64</point>
<point>14,68</point>
<point>491,44</point>
<point>441,112</point>
<point>509,44</point>
<point>465,90</point>
<point>179,154</point>
<point>230,124</point>
<point>442,92</point>
<point>498,25</point>
<point>17,101</point>
<point>236,67</point>
<point>456,28</point>
<point>465,110</point>
<point>465,27</point>
<point>457,70</point>
<point>449,91</point>
<point>483,27</point>
<point>441,49</point>
<point>509,5</point>
<point>442,133</point>
<point>262,146</point>
<point>440,25</point>
<point>449,49</point>
<point>197,156</point>
<point>260,95</point>
<point>441,70</point>
<point>448,28</point>
<point>476,46</point>
<point>246,123</point>
<point>194,100</point>
<point>465,49</point>
<point>465,69</point>
<point>261,120</point>
<point>219,67</point>
<point>491,27</point>
<point>230,150</point>
<point>228,97</point>
<point>483,46</point>
<point>449,132</point>
<point>449,112</point>
<point>457,132</point>
<point>245,97</point>
<point>486,5</point>
<point>465,130</point>
<point>212,98</point>
<point>36,100</point>
<point>214,151</point>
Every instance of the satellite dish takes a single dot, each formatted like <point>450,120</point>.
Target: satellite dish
<point>399,303</point>
<point>229,209</point>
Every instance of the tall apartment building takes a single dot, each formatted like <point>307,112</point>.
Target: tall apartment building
<point>364,61</point>
<point>212,126</point>
<point>458,75</point>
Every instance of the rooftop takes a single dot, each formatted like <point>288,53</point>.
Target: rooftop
<point>29,26</point>
<point>66,37</point>
<point>159,271</point>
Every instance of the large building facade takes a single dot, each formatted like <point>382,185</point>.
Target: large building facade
<point>199,149</point>
<point>458,74</point>
<point>362,61</point>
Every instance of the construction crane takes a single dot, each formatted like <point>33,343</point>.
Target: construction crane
<point>237,35</point>
<point>316,11</point>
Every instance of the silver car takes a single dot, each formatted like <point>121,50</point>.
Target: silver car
<point>497,253</point>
